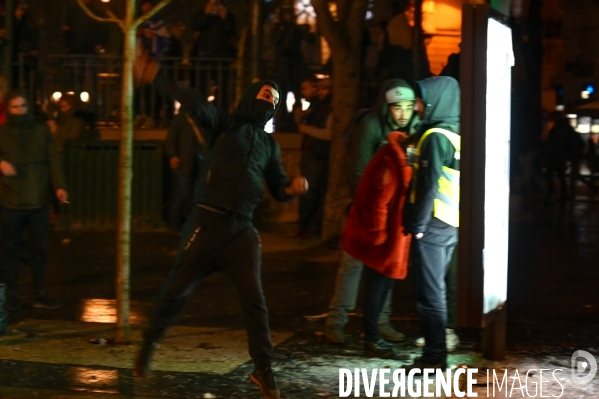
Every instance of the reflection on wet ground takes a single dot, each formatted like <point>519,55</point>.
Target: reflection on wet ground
<point>104,311</point>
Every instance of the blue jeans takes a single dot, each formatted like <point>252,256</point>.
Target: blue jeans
<point>431,260</point>
<point>346,292</point>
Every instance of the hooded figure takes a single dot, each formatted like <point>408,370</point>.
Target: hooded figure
<point>433,212</point>
<point>441,100</point>
<point>219,234</point>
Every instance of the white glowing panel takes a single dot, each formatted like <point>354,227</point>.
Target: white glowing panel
<point>500,59</point>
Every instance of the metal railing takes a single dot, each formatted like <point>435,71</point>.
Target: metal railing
<point>100,77</point>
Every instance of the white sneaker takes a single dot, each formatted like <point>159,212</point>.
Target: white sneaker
<point>451,340</point>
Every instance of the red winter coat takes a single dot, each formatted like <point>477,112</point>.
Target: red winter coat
<point>374,232</point>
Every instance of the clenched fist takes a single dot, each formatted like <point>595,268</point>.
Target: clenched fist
<point>298,186</point>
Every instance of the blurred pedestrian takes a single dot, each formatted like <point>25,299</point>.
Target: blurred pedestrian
<point>83,38</point>
<point>368,132</point>
<point>186,149</point>
<point>154,39</point>
<point>29,163</point>
<point>215,42</point>
<point>25,47</point>
<point>287,37</point>
<point>69,124</point>
<point>432,212</point>
<point>219,235</point>
<point>316,127</point>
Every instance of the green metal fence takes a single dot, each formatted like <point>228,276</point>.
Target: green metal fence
<point>91,170</point>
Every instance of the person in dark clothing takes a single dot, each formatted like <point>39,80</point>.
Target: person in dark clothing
<point>185,153</point>
<point>316,142</point>
<point>564,145</point>
<point>215,32</point>
<point>25,47</point>
<point>84,35</point>
<point>393,111</point>
<point>219,235</point>
<point>287,38</point>
<point>215,41</point>
<point>28,162</point>
<point>432,212</point>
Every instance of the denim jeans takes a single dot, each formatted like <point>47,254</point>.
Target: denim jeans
<point>347,287</point>
<point>378,287</point>
<point>14,224</point>
<point>431,259</point>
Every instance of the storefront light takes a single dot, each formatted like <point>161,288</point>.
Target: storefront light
<point>56,96</point>
<point>595,126</point>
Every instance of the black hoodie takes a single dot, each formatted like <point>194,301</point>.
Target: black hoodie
<point>241,153</point>
<point>441,95</point>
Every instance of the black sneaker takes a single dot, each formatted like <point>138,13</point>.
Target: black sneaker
<point>43,301</point>
<point>142,363</point>
<point>334,334</point>
<point>264,378</point>
<point>383,350</point>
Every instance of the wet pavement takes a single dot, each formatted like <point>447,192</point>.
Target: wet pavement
<point>553,310</point>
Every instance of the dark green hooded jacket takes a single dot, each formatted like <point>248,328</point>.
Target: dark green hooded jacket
<point>441,95</point>
<point>29,146</point>
<point>240,153</point>
<point>370,133</point>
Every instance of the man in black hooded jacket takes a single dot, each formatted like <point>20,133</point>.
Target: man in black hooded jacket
<point>219,235</point>
<point>432,211</point>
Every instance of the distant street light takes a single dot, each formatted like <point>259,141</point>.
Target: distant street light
<point>56,96</point>
<point>84,96</point>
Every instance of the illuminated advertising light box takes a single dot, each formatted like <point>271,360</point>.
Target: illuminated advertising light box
<point>486,61</point>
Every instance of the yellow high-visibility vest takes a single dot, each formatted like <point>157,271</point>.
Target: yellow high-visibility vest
<point>446,206</point>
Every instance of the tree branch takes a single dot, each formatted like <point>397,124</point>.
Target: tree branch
<point>326,23</point>
<point>94,16</point>
<point>151,13</point>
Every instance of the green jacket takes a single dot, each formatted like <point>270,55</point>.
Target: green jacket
<point>30,148</point>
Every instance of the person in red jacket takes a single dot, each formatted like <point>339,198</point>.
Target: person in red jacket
<point>374,234</point>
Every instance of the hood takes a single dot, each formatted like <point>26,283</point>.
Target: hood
<point>441,94</point>
<point>246,105</point>
<point>381,108</point>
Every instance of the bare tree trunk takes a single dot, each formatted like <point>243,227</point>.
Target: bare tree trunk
<point>344,34</point>
<point>346,72</point>
<point>123,255</point>
<point>123,331</point>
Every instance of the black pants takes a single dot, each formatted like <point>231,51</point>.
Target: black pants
<point>311,205</point>
<point>431,259</point>
<point>216,242</point>
<point>14,224</point>
<point>378,287</point>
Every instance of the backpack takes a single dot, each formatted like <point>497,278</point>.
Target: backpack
<point>347,135</point>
